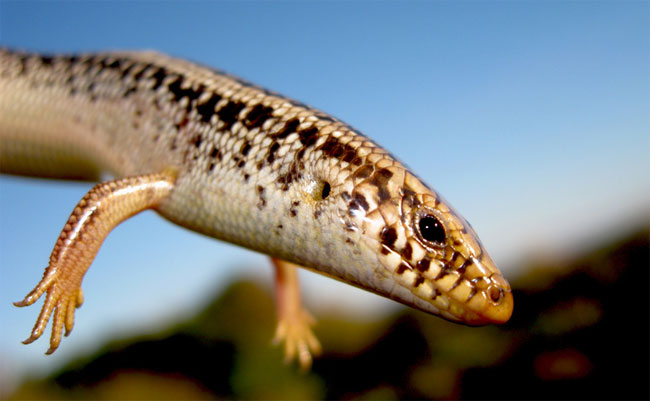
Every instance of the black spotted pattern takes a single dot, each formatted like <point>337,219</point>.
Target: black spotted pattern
<point>229,113</point>
<point>290,127</point>
<point>388,237</point>
<point>88,75</point>
<point>207,109</point>
<point>257,116</point>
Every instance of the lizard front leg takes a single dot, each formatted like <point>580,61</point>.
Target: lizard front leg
<point>104,207</point>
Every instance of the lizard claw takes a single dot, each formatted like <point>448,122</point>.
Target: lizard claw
<point>62,298</point>
<point>299,340</point>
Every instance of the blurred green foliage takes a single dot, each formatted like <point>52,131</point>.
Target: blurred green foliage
<point>579,331</point>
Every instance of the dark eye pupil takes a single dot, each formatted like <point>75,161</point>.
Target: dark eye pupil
<point>431,229</point>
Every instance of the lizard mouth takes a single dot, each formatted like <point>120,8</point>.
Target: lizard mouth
<point>474,299</point>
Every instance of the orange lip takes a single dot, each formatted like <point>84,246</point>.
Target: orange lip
<point>501,313</point>
<point>490,313</point>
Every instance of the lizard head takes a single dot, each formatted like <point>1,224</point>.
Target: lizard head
<point>403,240</point>
<point>432,257</point>
<point>470,286</point>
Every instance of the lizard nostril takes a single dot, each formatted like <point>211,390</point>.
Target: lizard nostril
<point>495,294</point>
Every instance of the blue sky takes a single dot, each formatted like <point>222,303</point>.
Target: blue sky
<point>531,118</point>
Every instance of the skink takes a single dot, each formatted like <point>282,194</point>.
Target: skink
<point>233,161</point>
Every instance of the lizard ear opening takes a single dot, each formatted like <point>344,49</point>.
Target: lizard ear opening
<point>325,191</point>
<point>321,190</point>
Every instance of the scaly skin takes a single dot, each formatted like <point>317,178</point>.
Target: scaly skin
<point>249,167</point>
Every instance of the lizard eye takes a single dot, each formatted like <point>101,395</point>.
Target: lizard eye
<point>431,230</point>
